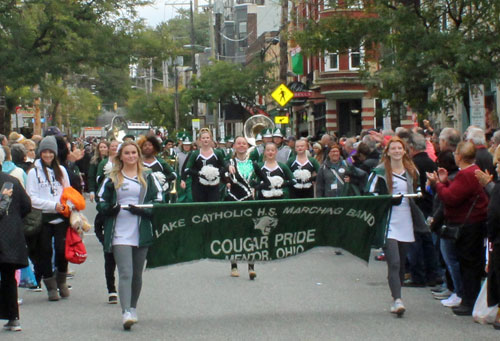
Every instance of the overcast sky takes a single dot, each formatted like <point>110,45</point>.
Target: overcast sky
<point>162,10</point>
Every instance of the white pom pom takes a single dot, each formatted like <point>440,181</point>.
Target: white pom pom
<point>276,181</point>
<point>107,168</point>
<point>302,174</point>
<point>209,175</point>
<point>160,177</point>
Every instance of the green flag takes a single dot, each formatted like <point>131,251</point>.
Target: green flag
<point>266,230</point>
<point>298,63</point>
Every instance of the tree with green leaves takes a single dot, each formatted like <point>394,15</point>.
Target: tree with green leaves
<point>429,52</point>
<point>158,107</point>
<point>232,83</point>
<point>59,37</point>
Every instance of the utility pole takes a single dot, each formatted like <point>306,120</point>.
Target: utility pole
<point>176,98</point>
<point>283,41</point>
<point>218,40</point>
<point>164,68</point>
<point>218,54</point>
<point>193,60</point>
<point>211,25</point>
<point>37,127</point>
<point>151,75</point>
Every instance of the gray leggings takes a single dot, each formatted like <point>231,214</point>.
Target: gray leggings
<point>395,256</point>
<point>130,262</point>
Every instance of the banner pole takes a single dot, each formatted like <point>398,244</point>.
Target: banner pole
<point>139,206</point>
<point>416,195</point>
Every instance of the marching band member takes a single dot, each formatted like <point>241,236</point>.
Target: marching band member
<point>240,173</point>
<point>206,167</point>
<point>150,147</point>
<point>397,174</point>
<point>128,233</point>
<point>284,152</point>
<point>183,194</point>
<point>304,169</point>
<point>272,177</point>
<point>258,151</point>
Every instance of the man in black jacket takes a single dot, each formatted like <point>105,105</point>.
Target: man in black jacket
<point>422,254</point>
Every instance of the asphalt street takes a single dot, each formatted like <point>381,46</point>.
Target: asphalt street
<point>314,296</point>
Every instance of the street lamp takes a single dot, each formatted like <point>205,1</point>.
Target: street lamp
<point>274,41</point>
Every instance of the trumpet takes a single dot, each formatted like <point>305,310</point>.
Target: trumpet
<point>174,164</point>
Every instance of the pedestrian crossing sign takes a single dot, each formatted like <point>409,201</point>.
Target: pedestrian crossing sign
<point>282,95</point>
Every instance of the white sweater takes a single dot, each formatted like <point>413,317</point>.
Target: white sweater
<point>44,194</point>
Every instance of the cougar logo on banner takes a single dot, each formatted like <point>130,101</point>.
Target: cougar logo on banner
<point>265,224</point>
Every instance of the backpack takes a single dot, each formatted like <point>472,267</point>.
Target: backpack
<point>75,249</point>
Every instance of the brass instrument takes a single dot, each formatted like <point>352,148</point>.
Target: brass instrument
<point>255,125</point>
<point>173,163</point>
<point>118,129</point>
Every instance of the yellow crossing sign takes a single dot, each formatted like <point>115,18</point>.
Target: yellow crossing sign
<point>282,95</point>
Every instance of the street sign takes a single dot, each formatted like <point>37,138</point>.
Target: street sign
<point>282,95</point>
<point>281,119</point>
<point>196,123</point>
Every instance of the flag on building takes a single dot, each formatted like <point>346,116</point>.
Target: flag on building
<point>297,61</point>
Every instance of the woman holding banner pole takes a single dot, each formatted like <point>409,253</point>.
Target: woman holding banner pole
<point>240,173</point>
<point>397,174</point>
<point>128,233</point>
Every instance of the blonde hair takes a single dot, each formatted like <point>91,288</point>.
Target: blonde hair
<point>97,154</point>
<point>116,174</point>
<point>28,143</point>
<point>265,147</point>
<point>203,131</point>
<point>407,164</point>
<point>467,151</point>
<point>496,156</point>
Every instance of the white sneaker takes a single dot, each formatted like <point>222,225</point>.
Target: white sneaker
<point>397,307</point>
<point>127,320</point>
<point>452,301</point>
<point>133,314</point>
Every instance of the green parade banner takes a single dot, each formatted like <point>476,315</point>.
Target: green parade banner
<point>266,230</point>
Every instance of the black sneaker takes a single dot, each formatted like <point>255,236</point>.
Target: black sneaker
<point>462,310</point>
<point>13,326</point>
<point>35,288</point>
<point>112,298</point>
<point>412,284</point>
